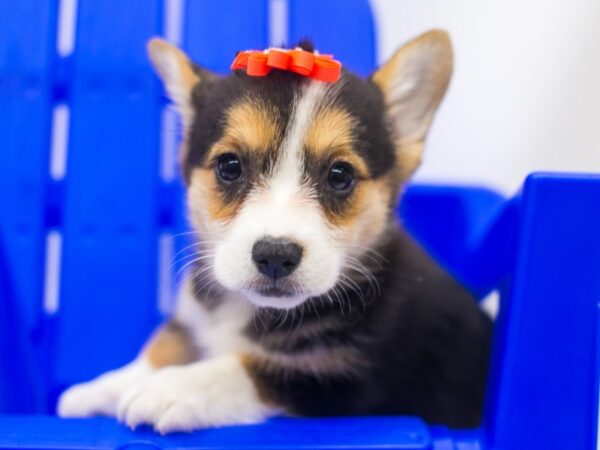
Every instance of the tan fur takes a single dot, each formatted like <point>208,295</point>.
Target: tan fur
<point>204,201</point>
<point>176,71</point>
<point>413,82</point>
<point>170,345</point>
<point>411,155</point>
<point>366,207</point>
<point>188,77</point>
<point>249,126</point>
<point>373,213</point>
<point>330,137</point>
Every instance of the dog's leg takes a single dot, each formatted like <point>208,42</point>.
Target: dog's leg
<point>100,396</point>
<point>209,393</point>
<point>174,343</point>
<point>169,345</point>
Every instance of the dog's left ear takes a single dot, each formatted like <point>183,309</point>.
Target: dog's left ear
<point>413,82</point>
<point>179,75</point>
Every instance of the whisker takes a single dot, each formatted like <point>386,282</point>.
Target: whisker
<point>197,254</point>
<point>366,273</point>
<point>195,260</point>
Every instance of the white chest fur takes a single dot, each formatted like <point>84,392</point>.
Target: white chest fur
<point>218,330</point>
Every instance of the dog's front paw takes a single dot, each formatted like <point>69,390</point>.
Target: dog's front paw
<point>184,398</point>
<point>100,397</point>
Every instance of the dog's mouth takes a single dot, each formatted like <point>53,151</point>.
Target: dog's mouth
<point>275,288</point>
<point>278,294</point>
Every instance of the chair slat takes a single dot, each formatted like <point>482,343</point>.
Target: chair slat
<point>27,44</point>
<point>109,268</point>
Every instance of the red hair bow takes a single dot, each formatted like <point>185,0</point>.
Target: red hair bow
<point>259,63</point>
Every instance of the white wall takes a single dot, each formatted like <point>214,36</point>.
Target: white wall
<point>526,89</point>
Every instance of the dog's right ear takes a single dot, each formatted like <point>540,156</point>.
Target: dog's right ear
<point>178,74</point>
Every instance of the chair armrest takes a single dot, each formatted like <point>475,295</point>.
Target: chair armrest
<point>544,376</point>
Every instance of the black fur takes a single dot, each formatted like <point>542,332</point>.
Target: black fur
<point>424,342</point>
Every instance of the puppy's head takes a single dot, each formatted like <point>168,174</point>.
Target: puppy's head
<point>290,180</point>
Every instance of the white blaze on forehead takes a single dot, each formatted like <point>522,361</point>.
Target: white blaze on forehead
<point>289,168</point>
<point>282,208</point>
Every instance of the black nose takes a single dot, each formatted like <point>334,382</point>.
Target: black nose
<point>276,258</point>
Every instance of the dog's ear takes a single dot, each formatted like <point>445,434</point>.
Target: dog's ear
<point>178,74</point>
<point>413,82</point>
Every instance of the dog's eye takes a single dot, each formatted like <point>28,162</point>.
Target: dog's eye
<point>229,167</point>
<point>340,177</point>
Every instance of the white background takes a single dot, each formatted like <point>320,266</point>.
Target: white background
<point>526,89</point>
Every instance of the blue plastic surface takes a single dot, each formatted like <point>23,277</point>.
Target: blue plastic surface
<point>545,388</point>
<point>109,260</point>
<point>348,433</point>
<point>26,93</point>
<point>540,249</point>
<point>21,385</point>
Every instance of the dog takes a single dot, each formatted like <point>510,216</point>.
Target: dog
<point>306,297</point>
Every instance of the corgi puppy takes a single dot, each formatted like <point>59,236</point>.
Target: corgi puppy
<point>306,297</point>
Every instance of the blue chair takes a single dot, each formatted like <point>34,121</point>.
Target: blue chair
<point>117,202</point>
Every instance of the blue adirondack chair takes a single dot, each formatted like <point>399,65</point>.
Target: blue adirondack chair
<point>117,201</point>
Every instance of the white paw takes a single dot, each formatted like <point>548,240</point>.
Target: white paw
<point>87,400</point>
<point>205,394</point>
<point>100,397</point>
